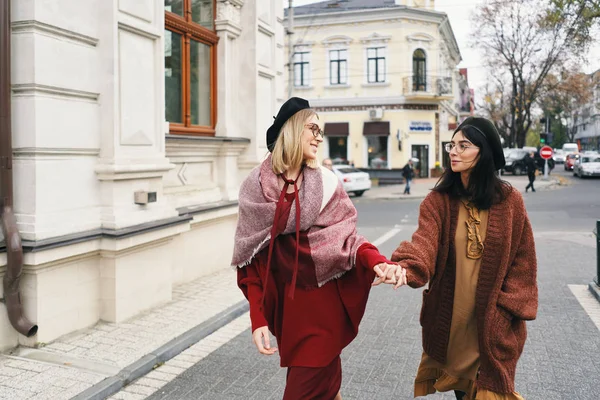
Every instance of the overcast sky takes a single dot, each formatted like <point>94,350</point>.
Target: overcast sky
<point>459,12</point>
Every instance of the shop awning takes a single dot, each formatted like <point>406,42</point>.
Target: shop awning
<point>337,129</point>
<point>376,128</point>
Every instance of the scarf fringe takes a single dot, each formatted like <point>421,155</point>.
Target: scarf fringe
<point>254,253</point>
<point>336,276</point>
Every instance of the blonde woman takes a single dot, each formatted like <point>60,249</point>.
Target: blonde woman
<point>301,265</point>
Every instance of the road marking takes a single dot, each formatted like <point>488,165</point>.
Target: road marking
<point>387,236</point>
<point>590,305</point>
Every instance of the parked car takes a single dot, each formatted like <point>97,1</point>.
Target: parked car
<point>515,161</point>
<point>570,161</point>
<point>587,165</point>
<point>353,180</point>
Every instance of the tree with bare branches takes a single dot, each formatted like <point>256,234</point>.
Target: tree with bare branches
<point>521,47</point>
<point>563,94</point>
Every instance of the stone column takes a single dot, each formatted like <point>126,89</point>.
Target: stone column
<point>229,105</point>
<point>132,143</point>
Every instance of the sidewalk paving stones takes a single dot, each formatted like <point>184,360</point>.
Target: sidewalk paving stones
<point>75,363</point>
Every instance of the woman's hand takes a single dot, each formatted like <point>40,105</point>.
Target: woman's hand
<point>392,274</point>
<point>262,334</point>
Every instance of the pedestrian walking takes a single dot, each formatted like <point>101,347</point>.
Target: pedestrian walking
<point>474,246</point>
<point>531,166</point>
<point>301,265</point>
<point>408,173</point>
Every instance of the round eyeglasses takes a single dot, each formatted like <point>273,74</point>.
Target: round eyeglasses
<point>460,147</point>
<point>316,131</point>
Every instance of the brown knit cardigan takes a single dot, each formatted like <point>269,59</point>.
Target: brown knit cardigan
<point>506,294</point>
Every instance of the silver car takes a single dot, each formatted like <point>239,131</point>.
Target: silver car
<point>587,165</point>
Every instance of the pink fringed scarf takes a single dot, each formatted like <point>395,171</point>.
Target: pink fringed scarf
<point>331,227</point>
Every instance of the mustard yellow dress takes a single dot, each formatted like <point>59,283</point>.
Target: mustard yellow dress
<point>462,363</point>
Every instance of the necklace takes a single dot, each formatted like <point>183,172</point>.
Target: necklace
<point>474,242</point>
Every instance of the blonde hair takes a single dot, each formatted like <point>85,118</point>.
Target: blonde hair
<point>288,153</point>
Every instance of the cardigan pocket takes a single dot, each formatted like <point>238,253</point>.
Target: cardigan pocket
<point>425,306</point>
<point>503,340</point>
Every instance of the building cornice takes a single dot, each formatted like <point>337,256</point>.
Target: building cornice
<point>365,103</point>
<point>368,15</point>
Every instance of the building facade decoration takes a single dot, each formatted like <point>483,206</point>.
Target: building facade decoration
<point>401,76</point>
<point>164,98</point>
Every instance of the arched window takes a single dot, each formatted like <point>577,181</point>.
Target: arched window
<point>419,71</point>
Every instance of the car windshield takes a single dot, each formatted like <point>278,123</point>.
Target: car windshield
<point>348,170</point>
<point>590,159</point>
<point>516,154</point>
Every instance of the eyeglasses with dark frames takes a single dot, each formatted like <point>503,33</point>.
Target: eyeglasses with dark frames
<point>460,147</point>
<point>316,131</point>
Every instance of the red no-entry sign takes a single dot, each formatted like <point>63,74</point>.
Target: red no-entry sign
<point>546,152</point>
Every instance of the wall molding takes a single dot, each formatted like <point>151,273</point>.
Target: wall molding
<point>60,152</point>
<point>121,172</point>
<point>41,28</point>
<point>124,26</point>
<point>30,246</point>
<point>34,89</point>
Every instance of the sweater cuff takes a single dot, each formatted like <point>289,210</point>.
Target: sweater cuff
<point>256,317</point>
<point>368,256</point>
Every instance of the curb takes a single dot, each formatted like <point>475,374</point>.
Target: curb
<point>595,290</point>
<point>146,364</point>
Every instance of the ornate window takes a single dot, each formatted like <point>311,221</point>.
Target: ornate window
<point>190,66</point>
<point>419,71</point>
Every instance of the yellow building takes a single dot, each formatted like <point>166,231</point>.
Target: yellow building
<point>382,75</point>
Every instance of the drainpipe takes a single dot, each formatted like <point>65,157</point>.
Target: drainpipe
<point>14,250</point>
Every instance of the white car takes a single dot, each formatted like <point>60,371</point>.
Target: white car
<point>587,165</point>
<point>559,156</point>
<point>353,180</point>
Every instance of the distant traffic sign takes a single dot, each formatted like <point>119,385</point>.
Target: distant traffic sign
<point>546,152</point>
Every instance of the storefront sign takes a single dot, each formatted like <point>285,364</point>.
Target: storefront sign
<point>420,126</point>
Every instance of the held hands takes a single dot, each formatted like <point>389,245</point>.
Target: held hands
<point>262,334</point>
<point>392,274</point>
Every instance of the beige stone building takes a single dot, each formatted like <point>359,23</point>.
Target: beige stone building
<point>133,123</point>
<point>382,75</point>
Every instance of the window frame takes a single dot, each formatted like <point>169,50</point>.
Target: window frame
<point>377,59</point>
<point>189,31</point>
<point>342,66</point>
<point>419,71</point>
<point>304,79</point>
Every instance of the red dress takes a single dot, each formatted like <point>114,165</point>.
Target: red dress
<point>312,328</point>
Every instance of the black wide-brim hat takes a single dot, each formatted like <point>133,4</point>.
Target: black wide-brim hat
<point>287,110</point>
<point>489,131</point>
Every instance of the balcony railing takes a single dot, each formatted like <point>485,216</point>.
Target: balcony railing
<point>426,85</point>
